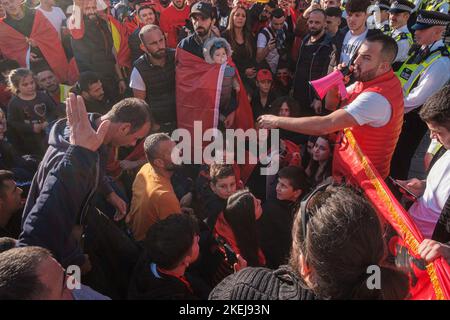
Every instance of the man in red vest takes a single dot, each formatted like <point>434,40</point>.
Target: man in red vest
<point>373,109</point>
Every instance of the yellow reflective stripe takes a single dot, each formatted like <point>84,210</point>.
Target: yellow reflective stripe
<point>408,37</point>
<point>418,71</point>
<point>433,6</point>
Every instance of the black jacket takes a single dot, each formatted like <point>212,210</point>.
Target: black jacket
<point>262,284</point>
<point>145,285</point>
<point>93,52</point>
<point>312,64</point>
<point>276,228</point>
<point>60,194</point>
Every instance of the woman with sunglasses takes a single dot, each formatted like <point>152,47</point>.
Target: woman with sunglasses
<point>337,239</point>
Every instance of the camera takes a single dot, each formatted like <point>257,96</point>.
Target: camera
<point>279,38</point>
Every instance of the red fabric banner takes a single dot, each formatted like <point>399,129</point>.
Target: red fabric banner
<point>427,281</point>
<point>15,46</point>
<point>197,94</point>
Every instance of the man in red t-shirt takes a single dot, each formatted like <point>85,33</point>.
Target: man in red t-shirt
<point>172,19</point>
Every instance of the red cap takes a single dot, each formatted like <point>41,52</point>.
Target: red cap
<point>264,74</point>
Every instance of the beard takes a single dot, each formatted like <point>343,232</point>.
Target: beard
<point>91,16</point>
<point>172,167</point>
<point>201,32</point>
<point>315,32</point>
<point>365,76</point>
<point>159,54</point>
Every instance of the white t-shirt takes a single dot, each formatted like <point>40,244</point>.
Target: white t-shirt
<point>369,108</point>
<point>272,57</point>
<point>136,81</point>
<point>56,17</point>
<point>427,209</point>
<point>351,44</point>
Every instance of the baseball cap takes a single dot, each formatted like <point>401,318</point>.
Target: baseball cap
<point>264,74</point>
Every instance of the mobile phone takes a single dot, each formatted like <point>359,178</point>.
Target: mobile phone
<point>409,192</point>
<point>230,255</point>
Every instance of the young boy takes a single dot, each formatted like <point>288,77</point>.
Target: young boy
<point>264,95</point>
<point>213,189</point>
<point>278,215</point>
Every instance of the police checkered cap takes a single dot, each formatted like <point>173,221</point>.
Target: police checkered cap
<point>402,5</point>
<point>433,18</point>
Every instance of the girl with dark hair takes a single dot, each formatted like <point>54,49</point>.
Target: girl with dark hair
<point>29,113</point>
<point>320,164</point>
<point>237,226</point>
<point>243,45</point>
<point>337,238</point>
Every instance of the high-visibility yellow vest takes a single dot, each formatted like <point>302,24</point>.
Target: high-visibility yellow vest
<point>64,91</point>
<point>433,5</point>
<point>409,73</point>
<point>402,36</point>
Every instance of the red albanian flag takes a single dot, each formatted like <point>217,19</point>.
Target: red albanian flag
<point>427,281</point>
<point>14,45</point>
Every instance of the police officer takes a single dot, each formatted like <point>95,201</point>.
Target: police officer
<point>436,5</point>
<point>426,70</point>
<point>399,13</point>
<point>380,20</point>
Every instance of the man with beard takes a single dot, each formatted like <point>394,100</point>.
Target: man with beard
<point>399,14</point>
<point>373,109</point>
<point>273,41</point>
<point>154,198</point>
<point>313,61</point>
<point>173,19</point>
<point>90,87</point>
<point>260,15</point>
<point>153,77</point>
<point>202,20</point>
<point>93,51</point>
<point>47,80</point>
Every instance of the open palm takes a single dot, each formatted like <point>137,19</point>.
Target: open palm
<point>81,132</point>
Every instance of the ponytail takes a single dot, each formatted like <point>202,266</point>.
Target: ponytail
<point>393,285</point>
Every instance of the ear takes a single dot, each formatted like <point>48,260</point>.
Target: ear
<point>298,193</point>
<point>85,95</point>
<point>305,271</point>
<point>213,187</point>
<point>158,163</point>
<point>143,48</point>
<point>124,128</point>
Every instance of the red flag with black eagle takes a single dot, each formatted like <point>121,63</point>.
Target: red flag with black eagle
<point>14,45</point>
<point>198,88</point>
<point>427,281</point>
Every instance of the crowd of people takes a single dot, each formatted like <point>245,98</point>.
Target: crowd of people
<point>91,91</point>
